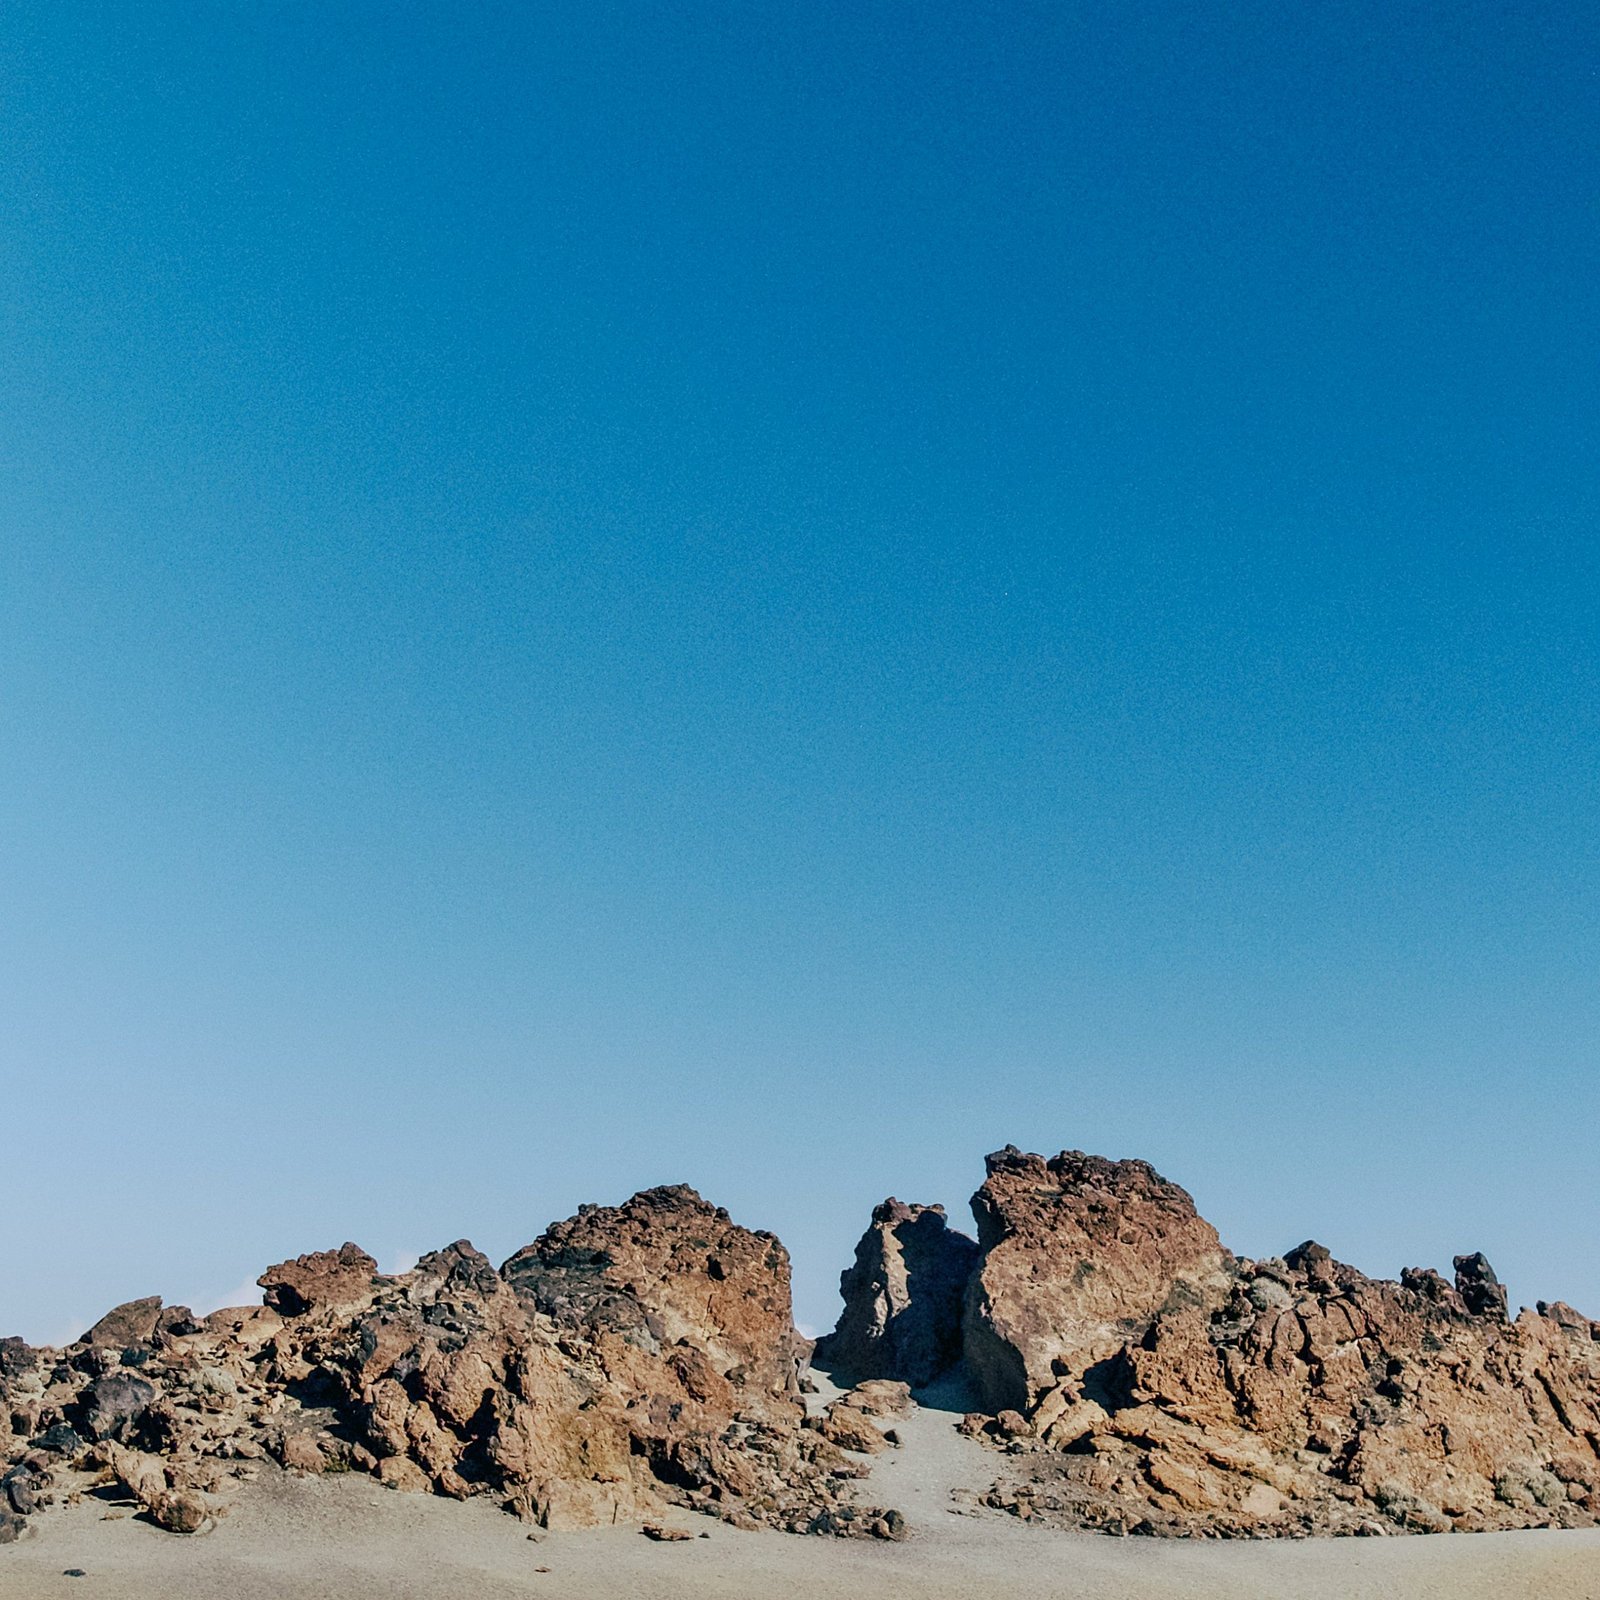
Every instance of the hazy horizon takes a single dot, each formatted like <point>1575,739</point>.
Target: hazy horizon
<point>777,598</point>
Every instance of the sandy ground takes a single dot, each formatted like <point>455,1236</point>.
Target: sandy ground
<point>347,1539</point>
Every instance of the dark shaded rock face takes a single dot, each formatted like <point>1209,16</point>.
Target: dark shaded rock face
<point>902,1298</point>
<point>1481,1291</point>
<point>16,1358</point>
<point>112,1406</point>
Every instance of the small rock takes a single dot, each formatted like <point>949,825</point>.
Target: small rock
<point>20,1489</point>
<point>179,1511</point>
<point>299,1452</point>
<point>664,1535</point>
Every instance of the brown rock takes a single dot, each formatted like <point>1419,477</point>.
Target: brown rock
<point>179,1511</point>
<point>1077,1252</point>
<point>881,1397</point>
<point>668,1269</point>
<point>299,1452</point>
<point>1191,1392</point>
<point>324,1280</point>
<point>400,1472</point>
<point>843,1425</point>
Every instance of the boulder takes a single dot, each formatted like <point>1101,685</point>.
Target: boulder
<point>131,1324</point>
<point>324,1280</point>
<point>16,1358</point>
<point>902,1298</point>
<point>1481,1291</point>
<point>1080,1254</point>
<point>667,1270</point>
<point>111,1407</point>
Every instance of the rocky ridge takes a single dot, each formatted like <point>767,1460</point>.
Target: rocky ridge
<point>1140,1377</point>
<point>631,1359</point>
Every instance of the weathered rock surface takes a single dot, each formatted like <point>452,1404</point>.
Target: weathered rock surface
<point>902,1298</point>
<point>1079,1253</point>
<point>632,1358</point>
<point>1146,1380</point>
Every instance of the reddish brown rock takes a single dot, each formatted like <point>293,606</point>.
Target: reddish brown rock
<point>902,1298</point>
<point>669,1270</point>
<point>1079,1255</point>
<point>633,1358</point>
<point>324,1280</point>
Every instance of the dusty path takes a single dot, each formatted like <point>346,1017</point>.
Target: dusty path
<point>347,1539</point>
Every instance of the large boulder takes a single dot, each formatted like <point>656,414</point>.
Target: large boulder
<point>1080,1255</point>
<point>902,1297</point>
<point>667,1270</point>
<point>112,1406</point>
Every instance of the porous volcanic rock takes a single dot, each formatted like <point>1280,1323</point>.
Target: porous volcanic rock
<point>632,1358</point>
<point>324,1280</point>
<point>668,1269</point>
<point>902,1297</point>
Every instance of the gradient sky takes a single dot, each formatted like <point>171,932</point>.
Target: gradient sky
<point>777,596</point>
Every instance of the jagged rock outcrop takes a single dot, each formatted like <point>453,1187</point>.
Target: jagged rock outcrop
<point>902,1298</point>
<point>631,1358</point>
<point>668,1269</point>
<point>1157,1383</point>
<point>1079,1254</point>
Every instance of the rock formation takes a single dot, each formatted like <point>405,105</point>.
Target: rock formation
<point>1135,1376</point>
<point>1141,1378</point>
<point>631,1358</point>
<point>1120,1244</point>
<point>902,1298</point>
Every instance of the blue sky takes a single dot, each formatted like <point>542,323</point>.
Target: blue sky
<point>778,596</point>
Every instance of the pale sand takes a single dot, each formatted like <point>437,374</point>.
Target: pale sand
<point>347,1539</point>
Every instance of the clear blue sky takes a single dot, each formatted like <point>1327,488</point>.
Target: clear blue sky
<point>778,596</point>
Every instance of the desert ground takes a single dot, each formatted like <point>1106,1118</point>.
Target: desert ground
<point>346,1538</point>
